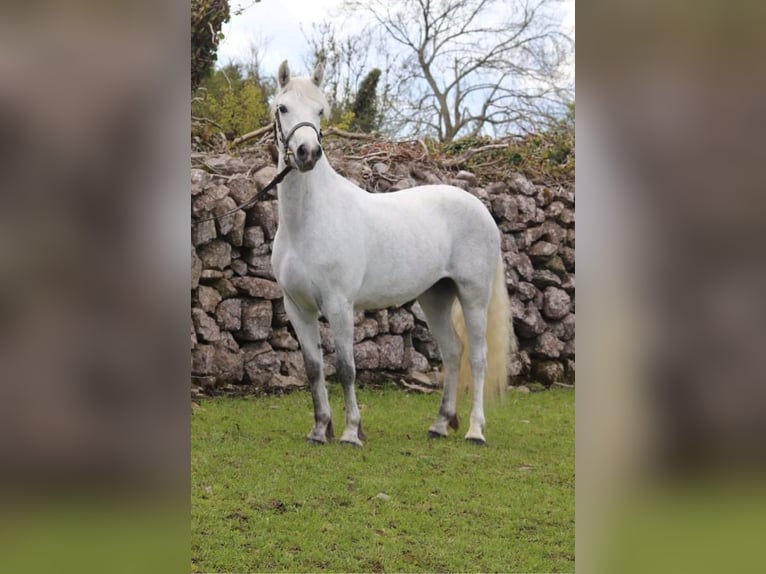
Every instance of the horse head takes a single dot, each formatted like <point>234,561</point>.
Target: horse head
<point>298,109</point>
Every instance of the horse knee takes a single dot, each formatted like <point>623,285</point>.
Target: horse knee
<point>345,371</point>
<point>313,368</point>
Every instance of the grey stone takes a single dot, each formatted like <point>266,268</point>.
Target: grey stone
<point>260,266</point>
<point>293,364</point>
<point>400,320</point>
<point>265,214</point>
<point>548,372</point>
<point>226,164</point>
<point>367,329</point>
<point>568,257</point>
<point>521,263</point>
<point>554,209</point>
<point>417,312</point>
<point>241,189</point>
<point>381,316</point>
<point>415,361</point>
<point>203,232</point>
<point>279,315</point>
<point>542,251</point>
<point>257,287</point>
<point>254,238</point>
<point>196,269</point>
<point>567,217</point>
<point>556,303</point>
<point>229,365</point>
<point>285,382</point>
<point>203,360</point>
<point>548,346</point>
<point>556,265</point>
<point>256,320</point>
<point>366,355</point>
<point>261,363</point>
<point>497,187</point>
<point>391,349</point>
<point>519,183</point>
<point>205,326</point>
<point>505,208</point>
<point>283,340</point>
<point>554,233</point>
<point>199,179</point>
<point>236,233</point>
<point>228,314</point>
<point>508,243</point>
<point>543,278</point>
<point>228,342</point>
<point>527,208</point>
<point>564,329</point>
<point>265,175</point>
<point>468,177</point>
<point>239,268</point>
<point>328,341</point>
<point>225,288</point>
<point>526,291</point>
<point>208,298</point>
<point>530,324</point>
<point>215,255</point>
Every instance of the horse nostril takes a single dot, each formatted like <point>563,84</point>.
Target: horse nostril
<point>317,153</point>
<point>301,152</point>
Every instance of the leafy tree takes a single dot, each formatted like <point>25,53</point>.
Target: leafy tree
<point>365,106</point>
<point>231,102</point>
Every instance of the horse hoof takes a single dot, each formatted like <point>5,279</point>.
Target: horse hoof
<point>476,441</point>
<point>434,434</point>
<point>351,443</point>
<point>315,442</point>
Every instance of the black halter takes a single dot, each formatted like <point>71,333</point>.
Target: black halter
<point>280,136</point>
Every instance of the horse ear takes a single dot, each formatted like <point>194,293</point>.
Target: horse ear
<point>318,74</point>
<point>283,75</point>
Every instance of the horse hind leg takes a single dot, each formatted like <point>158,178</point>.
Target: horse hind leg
<point>437,305</point>
<point>475,303</point>
<point>307,329</point>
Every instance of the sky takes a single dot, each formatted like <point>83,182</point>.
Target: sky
<point>276,25</point>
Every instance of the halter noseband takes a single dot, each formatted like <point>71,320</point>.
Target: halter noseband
<point>279,134</point>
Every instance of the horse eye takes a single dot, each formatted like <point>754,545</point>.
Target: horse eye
<point>321,113</point>
<point>282,109</point>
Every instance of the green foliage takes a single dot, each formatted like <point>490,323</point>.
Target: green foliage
<point>207,17</point>
<point>365,106</point>
<point>547,155</point>
<point>231,102</point>
<point>265,501</point>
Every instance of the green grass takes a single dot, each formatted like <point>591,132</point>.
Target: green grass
<point>265,501</point>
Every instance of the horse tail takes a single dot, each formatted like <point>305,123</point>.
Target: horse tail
<point>501,341</point>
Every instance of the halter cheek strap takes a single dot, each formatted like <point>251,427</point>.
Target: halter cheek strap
<point>279,134</point>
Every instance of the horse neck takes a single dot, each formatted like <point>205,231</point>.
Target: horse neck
<point>299,194</point>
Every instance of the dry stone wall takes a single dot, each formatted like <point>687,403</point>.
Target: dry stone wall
<point>240,335</point>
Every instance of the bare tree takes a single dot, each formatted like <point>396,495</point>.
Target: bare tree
<point>472,66</point>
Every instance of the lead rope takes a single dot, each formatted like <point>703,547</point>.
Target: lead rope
<point>272,184</point>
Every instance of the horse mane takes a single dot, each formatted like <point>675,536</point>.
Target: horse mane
<point>306,88</point>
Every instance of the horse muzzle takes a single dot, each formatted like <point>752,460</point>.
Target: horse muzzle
<point>307,156</point>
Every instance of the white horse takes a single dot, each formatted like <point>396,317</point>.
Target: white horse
<point>339,249</point>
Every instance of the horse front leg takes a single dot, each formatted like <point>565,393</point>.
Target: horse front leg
<point>306,327</point>
<point>341,318</point>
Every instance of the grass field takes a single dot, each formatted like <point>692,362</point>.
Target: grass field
<point>265,501</point>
